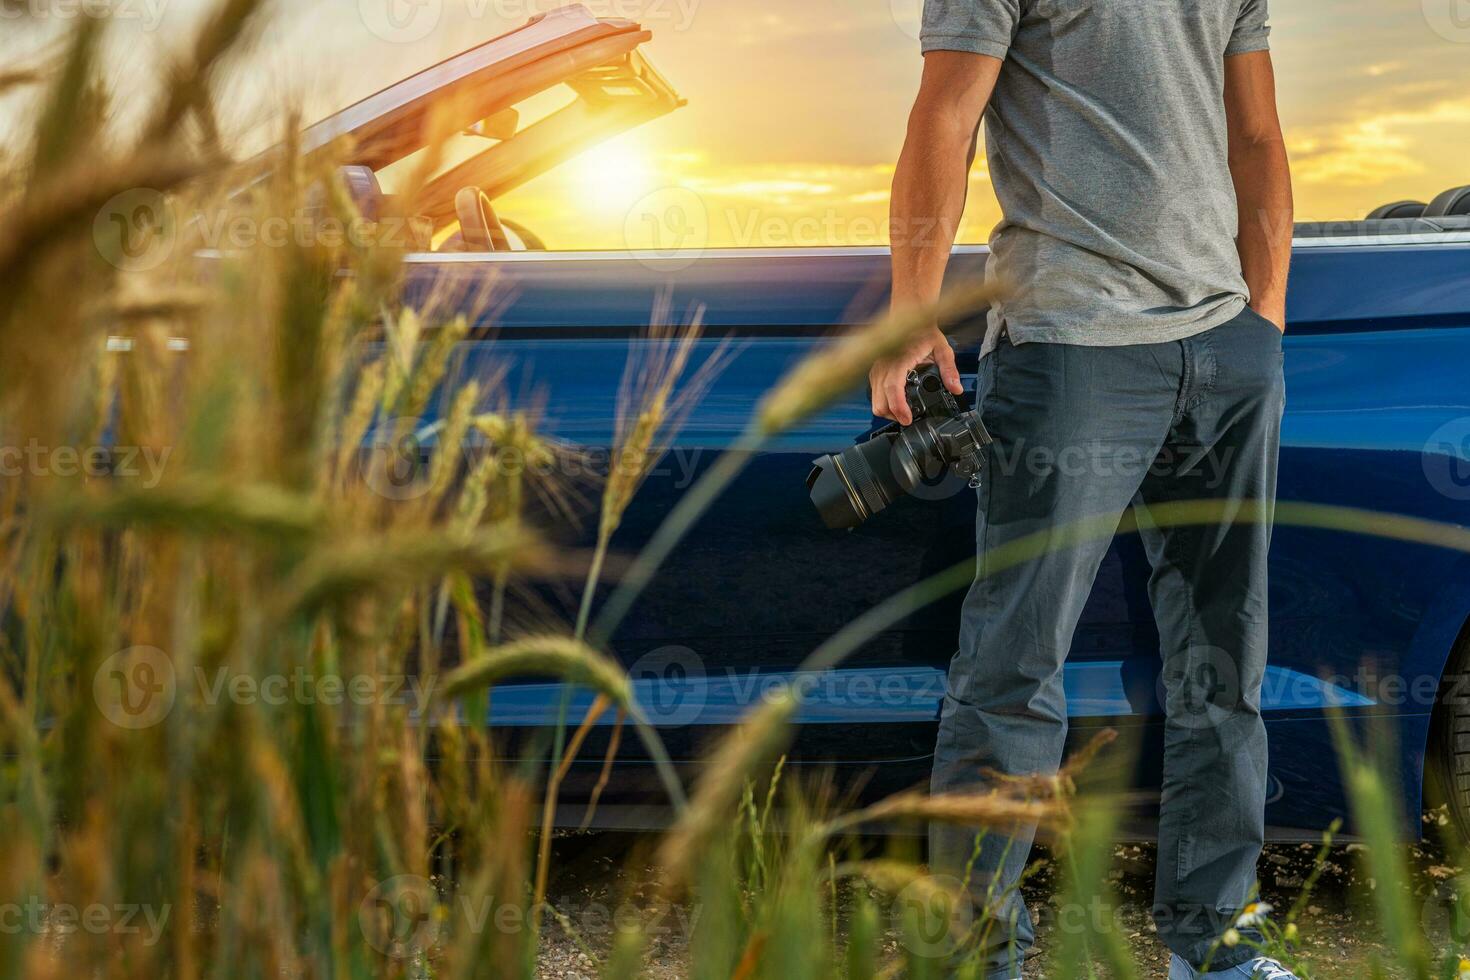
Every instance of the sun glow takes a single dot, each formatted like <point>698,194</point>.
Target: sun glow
<point>611,176</point>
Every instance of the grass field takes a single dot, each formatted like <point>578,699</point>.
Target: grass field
<point>192,501</point>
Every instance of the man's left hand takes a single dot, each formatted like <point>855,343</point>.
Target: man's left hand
<point>1275,315</point>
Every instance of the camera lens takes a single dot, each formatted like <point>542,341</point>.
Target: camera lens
<point>933,459</point>
<point>917,456</point>
<point>853,485</point>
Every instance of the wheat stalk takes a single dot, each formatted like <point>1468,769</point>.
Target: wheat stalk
<point>450,445</point>
<point>224,29</point>
<point>402,334</point>
<point>58,205</point>
<point>964,809</point>
<point>595,711</point>
<point>432,365</point>
<point>204,507</point>
<point>157,304</point>
<point>649,413</point>
<point>814,383</point>
<point>366,564</point>
<point>758,741</point>
<point>556,656</point>
<point>838,368</point>
<point>364,408</point>
<point>17,77</point>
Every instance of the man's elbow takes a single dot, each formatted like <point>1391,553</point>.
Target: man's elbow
<point>1264,146</point>
<point>940,126</point>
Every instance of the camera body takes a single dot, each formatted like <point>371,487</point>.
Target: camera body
<point>945,441</point>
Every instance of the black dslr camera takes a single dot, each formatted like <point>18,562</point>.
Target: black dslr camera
<point>945,441</point>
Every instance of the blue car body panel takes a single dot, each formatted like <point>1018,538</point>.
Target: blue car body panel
<point>887,695</point>
<point>1377,364</point>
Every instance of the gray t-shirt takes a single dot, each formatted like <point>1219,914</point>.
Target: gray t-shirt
<point>1106,140</point>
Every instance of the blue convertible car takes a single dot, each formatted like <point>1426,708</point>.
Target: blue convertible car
<point>1369,617</point>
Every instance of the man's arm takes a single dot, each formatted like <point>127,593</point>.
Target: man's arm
<point>1262,177</point>
<point>929,187</point>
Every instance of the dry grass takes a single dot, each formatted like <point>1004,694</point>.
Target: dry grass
<point>757,743</point>
<point>325,834</point>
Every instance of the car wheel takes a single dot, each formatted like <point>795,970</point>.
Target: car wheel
<point>1447,759</point>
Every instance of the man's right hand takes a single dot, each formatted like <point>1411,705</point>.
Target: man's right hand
<point>889,377</point>
<point>929,186</point>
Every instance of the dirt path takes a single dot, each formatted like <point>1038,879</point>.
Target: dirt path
<point>593,888</point>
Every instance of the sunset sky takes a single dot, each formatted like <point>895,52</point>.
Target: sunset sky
<point>796,109</point>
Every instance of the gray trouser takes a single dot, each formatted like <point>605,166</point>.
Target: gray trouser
<point>1083,433</point>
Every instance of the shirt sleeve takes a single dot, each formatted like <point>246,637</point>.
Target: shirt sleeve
<point>1251,30</point>
<point>977,26</point>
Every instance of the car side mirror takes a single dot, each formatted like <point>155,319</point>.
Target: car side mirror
<point>501,126</point>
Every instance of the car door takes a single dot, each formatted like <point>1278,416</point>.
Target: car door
<point>759,583</point>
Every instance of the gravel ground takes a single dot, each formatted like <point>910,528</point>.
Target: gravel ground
<point>594,886</point>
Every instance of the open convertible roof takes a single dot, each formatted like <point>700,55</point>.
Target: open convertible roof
<point>597,58</point>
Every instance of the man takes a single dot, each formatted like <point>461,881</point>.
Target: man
<point>1136,152</point>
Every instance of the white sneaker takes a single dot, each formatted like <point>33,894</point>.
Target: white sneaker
<point>1265,968</point>
<point>1260,968</point>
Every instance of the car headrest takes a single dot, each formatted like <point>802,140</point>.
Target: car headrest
<point>1454,202</point>
<point>1398,209</point>
<point>364,189</point>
